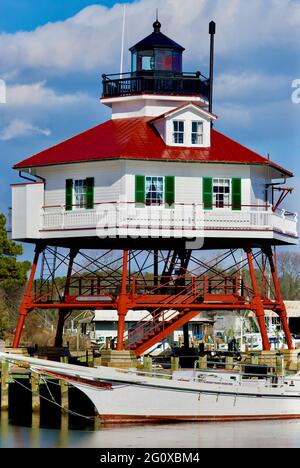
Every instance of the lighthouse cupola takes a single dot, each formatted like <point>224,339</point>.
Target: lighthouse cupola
<point>156,82</point>
<point>156,54</point>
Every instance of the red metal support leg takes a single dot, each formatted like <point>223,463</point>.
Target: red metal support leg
<point>122,303</point>
<point>26,304</point>
<point>64,313</point>
<point>279,298</point>
<point>257,303</point>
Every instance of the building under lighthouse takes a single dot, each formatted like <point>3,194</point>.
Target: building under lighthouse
<point>144,192</point>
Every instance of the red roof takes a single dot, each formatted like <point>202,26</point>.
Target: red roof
<point>136,138</point>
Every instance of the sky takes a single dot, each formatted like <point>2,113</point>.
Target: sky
<point>53,52</point>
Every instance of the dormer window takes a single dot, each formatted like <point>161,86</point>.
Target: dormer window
<point>178,131</point>
<point>197,133</point>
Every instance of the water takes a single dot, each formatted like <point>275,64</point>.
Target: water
<point>283,434</point>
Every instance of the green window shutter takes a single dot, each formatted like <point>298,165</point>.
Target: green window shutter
<point>140,189</point>
<point>89,194</point>
<point>69,194</point>
<point>169,190</point>
<point>236,194</point>
<point>207,189</point>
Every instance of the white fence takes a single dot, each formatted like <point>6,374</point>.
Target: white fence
<point>181,219</point>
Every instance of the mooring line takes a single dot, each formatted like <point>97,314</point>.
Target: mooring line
<point>74,413</point>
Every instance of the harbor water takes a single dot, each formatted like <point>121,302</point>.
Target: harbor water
<point>252,434</point>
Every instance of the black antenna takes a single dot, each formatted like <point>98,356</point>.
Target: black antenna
<point>212,32</point>
<point>156,24</point>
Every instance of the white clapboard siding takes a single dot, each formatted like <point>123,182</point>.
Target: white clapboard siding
<point>108,176</point>
<point>188,177</point>
<point>115,180</point>
<point>259,178</point>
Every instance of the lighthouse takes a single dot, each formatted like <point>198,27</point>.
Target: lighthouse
<point>128,207</point>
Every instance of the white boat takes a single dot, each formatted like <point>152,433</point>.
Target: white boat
<point>188,395</point>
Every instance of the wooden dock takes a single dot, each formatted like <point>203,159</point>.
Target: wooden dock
<point>30,399</point>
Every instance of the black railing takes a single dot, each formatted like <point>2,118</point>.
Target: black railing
<point>180,84</point>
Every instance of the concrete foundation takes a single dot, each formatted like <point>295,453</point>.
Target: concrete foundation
<point>123,359</point>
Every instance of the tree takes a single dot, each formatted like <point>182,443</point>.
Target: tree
<point>288,265</point>
<point>12,272</point>
<point>13,276</point>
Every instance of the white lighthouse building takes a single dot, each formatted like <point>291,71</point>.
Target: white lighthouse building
<point>155,175</point>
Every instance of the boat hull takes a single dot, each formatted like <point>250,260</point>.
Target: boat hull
<point>139,403</point>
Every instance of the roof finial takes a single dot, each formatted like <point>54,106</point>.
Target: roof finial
<point>156,24</point>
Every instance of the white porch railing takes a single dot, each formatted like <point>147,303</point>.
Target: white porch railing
<point>155,219</point>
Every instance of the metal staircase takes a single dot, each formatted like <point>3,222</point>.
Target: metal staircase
<point>154,329</point>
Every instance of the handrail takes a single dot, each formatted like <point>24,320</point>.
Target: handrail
<point>143,328</point>
<point>166,75</point>
<point>264,207</point>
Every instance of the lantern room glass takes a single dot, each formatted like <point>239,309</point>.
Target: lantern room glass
<point>160,60</point>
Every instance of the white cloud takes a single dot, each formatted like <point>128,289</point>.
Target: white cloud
<point>234,115</point>
<point>243,85</point>
<point>38,94</point>
<point>21,128</point>
<point>90,41</point>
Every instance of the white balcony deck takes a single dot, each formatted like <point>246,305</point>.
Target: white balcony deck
<point>32,220</point>
<point>122,219</point>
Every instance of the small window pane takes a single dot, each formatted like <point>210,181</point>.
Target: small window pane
<point>154,190</point>
<point>221,193</point>
<point>178,134</point>
<point>80,193</point>
<point>197,133</point>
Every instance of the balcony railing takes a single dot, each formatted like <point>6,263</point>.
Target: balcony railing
<point>180,84</point>
<point>178,220</point>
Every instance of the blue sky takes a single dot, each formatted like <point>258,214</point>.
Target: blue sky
<point>26,15</point>
<point>53,52</point>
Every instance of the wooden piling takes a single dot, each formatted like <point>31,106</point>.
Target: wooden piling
<point>35,390</point>
<point>174,363</point>
<point>147,364</point>
<point>4,385</point>
<point>202,362</point>
<point>64,388</point>
<point>229,362</point>
<point>39,413</point>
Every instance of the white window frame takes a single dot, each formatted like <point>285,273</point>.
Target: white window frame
<point>162,190</point>
<point>177,133</point>
<point>227,205</point>
<point>80,205</point>
<point>198,134</point>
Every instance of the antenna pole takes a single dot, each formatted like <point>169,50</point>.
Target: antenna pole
<point>212,32</point>
<point>122,42</point>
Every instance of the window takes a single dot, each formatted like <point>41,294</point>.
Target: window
<point>154,190</point>
<point>197,133</point>
<point>221,193</point>
<point>178,131</point>
<point>80,193</point>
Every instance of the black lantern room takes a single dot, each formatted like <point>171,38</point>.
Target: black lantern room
<point>156,68</point>
<point>156,53</point>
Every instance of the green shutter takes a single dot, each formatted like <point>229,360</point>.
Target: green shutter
<point>236,194</point>
<point>89,194</point>
<point>140,189</point>
<point>69,194</point>
<point>207,189</point>
<point>169,190</point>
